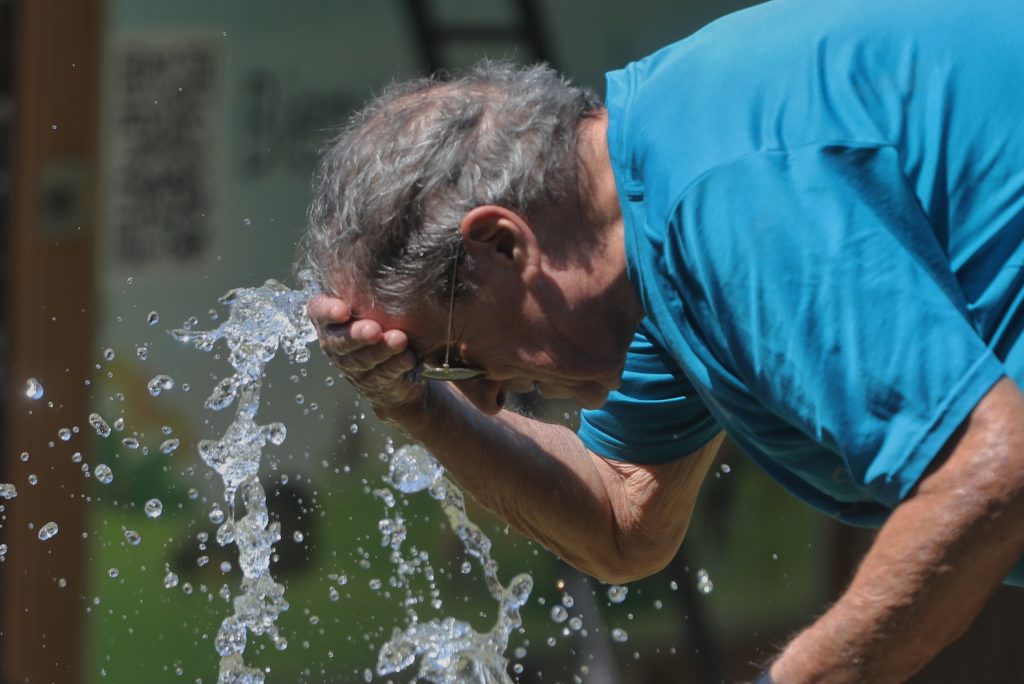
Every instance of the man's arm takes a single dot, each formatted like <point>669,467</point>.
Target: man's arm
<point>616,521</point>
<point>613,520</point>
<point>935,562</point>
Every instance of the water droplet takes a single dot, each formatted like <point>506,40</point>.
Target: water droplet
<point>33,389</point>
<point>160,383</point>
<point>103,473</point>
<point>113,572</point>
<point>119,424</point>
<point>620,635</point>
<point>275,433</point>
<point>8,491</point>
<point>559,614</point>
<point>64,434</point>
<point>130,443</point>
<point>202,561</point>
<point>725,469</point>
<point>108,354</point>
<point>575,624</point>
<point>48,531</point>
<point>617,594</point>
<point>300,399</point>
<point>32,479</point>
<point>704,583</point>
<point>413,469</point>
<point>333,594</point>
<point>216,515</point>
<point>24,456</point>
<point>170,580</point>
<point>298,537</point>
<point>142,353</point>
<point>132,537</point>
<point>169,445</point>
<point>247,221</point>
<point>226,534</point>
<point>467,567</point>
<point>153,318</point>
<point>225,567</point>
<point>99,425</point>
<point>3,552</point>
<point>154,508</point>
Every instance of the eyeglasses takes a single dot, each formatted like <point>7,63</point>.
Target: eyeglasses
<point>446,371</point>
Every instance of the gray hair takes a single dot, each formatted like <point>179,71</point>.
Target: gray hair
<point>393,187</point>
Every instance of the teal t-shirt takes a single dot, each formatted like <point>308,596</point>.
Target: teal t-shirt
<point>824,213</point>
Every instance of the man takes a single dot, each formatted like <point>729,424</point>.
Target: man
<point>802,226</point>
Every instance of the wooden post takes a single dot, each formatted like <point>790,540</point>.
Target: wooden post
<point>51,310</point>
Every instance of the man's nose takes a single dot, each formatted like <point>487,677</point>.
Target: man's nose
<point>487,395</point>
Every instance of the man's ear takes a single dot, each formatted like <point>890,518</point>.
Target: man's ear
<point>501,237</point>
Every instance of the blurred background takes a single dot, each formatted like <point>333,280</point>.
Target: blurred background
<point>153,156</point>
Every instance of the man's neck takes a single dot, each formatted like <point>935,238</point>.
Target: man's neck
<point>603,213</point>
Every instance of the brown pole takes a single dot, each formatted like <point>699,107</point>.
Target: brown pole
<point>51,312</point>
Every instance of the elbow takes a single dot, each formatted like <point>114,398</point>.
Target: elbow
<point>625,574</point>
<point>628,560</point>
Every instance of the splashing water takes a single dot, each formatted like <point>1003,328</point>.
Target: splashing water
<point>450,650</point>
<point>33,389</point>
<point>617,593</point>
<point>48,531</point>
<point>704,583</point>
<point>261,321</point>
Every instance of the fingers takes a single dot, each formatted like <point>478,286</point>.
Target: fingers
<point>387,373</point>
<point>376,361</point>
<point>362,345</point>
<point>324,310</point>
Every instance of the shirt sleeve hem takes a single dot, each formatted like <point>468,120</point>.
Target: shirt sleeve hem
<point>618,451</point>
<point>975,384</point>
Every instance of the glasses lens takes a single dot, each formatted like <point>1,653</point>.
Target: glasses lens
<point>449,373</point>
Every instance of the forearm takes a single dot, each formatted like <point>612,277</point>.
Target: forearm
<point>604,518</point>
<point>933,565</point>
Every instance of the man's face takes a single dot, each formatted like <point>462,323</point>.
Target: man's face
<point>519,348</point>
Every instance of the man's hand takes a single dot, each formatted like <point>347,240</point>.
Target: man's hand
<point>377,362</point>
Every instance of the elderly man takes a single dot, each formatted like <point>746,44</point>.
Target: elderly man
<point>801,227</point>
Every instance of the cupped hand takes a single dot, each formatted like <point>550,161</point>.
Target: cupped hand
<point>377,362</point>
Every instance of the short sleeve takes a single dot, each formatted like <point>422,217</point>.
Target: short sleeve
<point>654,416</point>
<point>817,284</point>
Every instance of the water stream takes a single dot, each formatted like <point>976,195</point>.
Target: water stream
<point>261,322</point>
